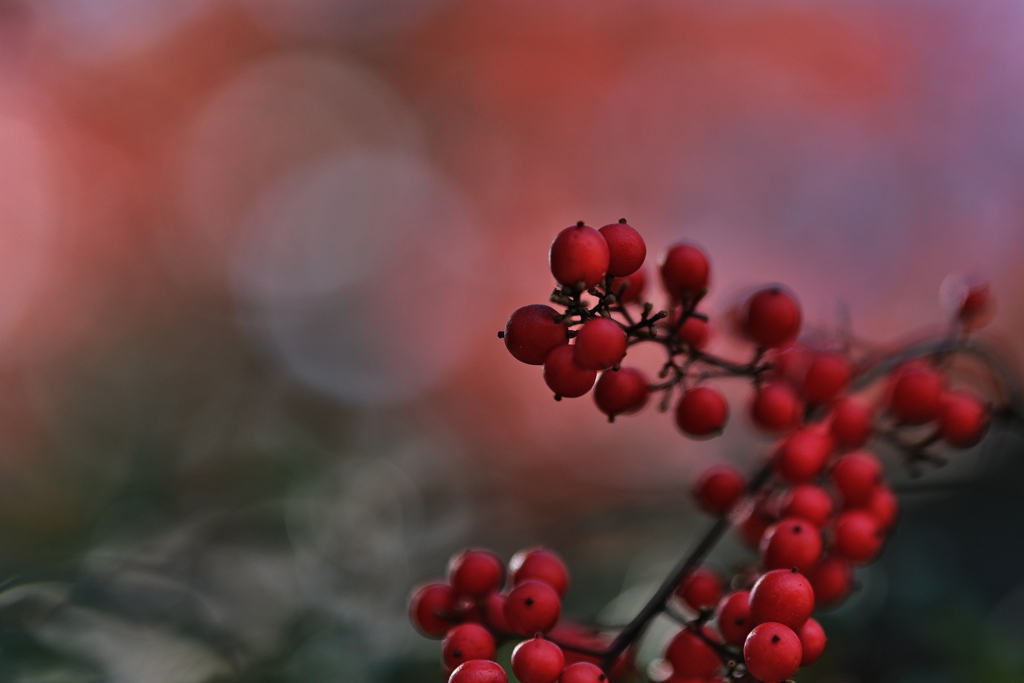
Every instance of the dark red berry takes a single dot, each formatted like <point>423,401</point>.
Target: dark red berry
<point>827,376</point>
<point>858,537</point>
<point>855,477</point>
<point>884,506</point>
<point>690,655</point>
<point>432,609</point>
<point>532,607</point>
<point>771,318</point>
<point>583,672</point>
<point>775,407</point>
<point>811,503</point>
<point>621,391</point>
<point>963,418</point>
<point>752,527</point>
<point>531,332</point>
<point>563,376</point>
<point>600,344</point>
<point>540,564</point>
<point>537,661</point>
<point>465,642</point>
<point>492,613</point>
<point>479,671</point>
<point>693,332</point>
<point>718,489</point>
<point>782,595</point>
<point>802,455</point>
<point>733,617</point>
<point>701,412</point>
<point>832,581</point>
<point>852,423</point>
<point>626,249</point>
<point>684,271</point>
<point>630,289</point>
<point>812,642</point>
<point>579,254</point>
<point>791,542</point>
<point>474,573</point>
<point>916,395</point>
<point>701,589</point>
<point>772,652</point>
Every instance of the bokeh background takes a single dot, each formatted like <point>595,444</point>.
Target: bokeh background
<point>254,254</point>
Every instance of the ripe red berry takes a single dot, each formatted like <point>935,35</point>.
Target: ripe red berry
<point>532,607</point>
<point>684,271</point>
<point>492,613</point>
<point>540,564</point>
<point>718,489</point>
<point>771,317</point>
<point>811,503</point>
<point>782,595</point>
<point>583,672</point>
<point>791,542</point>
<point>772,652</point>
<point>600,344</point>
<point>690,655</point>
<point>694,332</point>
<point>537,661</point>
<point>563,376</point>
<point>733,617</point>
<point>812,641</point>
<point>963,418</point>
<point>751,529</point>
<point>832,581</point>
<point>884,506</point>
<point>802,455</point>
<point>465,642</point>
<point>621,391</point>
<point>858,537</point>
<point>474,573</point>
<point>916,395</point>
<point>432,609</point>
<point>531,332</point>
<point>855,476</point>
<point>630,289</point>
<point>827,377</point>
<point>701,589</point>
<point>479,671</point>
<point>852,423</point>
<point>775,407</point>
<point>626,248</point>
<point>701,412</point>
<point>579,254</point>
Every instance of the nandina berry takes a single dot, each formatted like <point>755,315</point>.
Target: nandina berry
<point>600,344</point>
<point>701,412</point>
<point>832,581</point>
<point>693,332</point>
<point>475,572</point>
<point>701,588</point>
<point>629,289</point>
<point>479,671</point>
<point>532,607</point>
<point>855,477</point>
<point>858,537</point>
<point>851,423</point>
<point>916,393</point>
<point>537,661</point>
<point>782,595</point>
<point>802,455</point>
<point>579,254</point>
<point>812,641</point>
<point>583,672</point>
<point>963,418</point>
<point>733,617</point>
<point>492,613</point>
<point>690,655</point>
<point>621,391</point>
<point>465,642</point>
<point>808,502</point>
<point>775,407</point>
<point>771,317</point>
<point>772,652</point>
<point>563,376</point>
<point>626,248</point>
<point>718,489</point>
<point>540,564</point>
<point>884,506</point>
<point>531,332</point>
<point>684,271</point>
<point>432,609</point>
<point>827,376</point>
<point>791,542</point>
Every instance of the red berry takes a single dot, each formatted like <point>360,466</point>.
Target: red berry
<point>772,652</point>
<point>812,641</point>
<point>684,271</point>
<point>791,542</point>
<point>803,454</point>
<point>858,537</point>
<point>775,407</point>
<point>733,617</point>
<point>884,506</point>
<point>855,476</point>
<point>537,661</point>
<point>689,655</point>
<point>579,254</point>
<point>474,573</point>
<point>479,671</point>
<point>540,564</point>
<point>626,248</point>
<point>808,502</point>
<point>629,289</point>
<point>832,581</point>
<point>782,595</point>
<point>432,609</point>
<point>718,489</point>
<point>563,376</point>
<point>701,589</point>
<point>771,317</point>
<point>531,332</point>
<point>852,423</point>
<point>492,613</point>
<point>790,364</point>
<point>583,672</point>
<point>827,377</point>
<point>621,391</point>
<point>751,529</point>
<point>693,332</point>
<point>916,395</point>
<point>465,642</point>
<point>600,344</point>
<point>963,418</point>
<point>532,607</point>
<point>701,412</point>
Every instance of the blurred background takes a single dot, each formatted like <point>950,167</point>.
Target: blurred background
<point>254,255</point>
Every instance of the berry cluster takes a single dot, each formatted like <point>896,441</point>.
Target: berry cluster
<point>816,509</point>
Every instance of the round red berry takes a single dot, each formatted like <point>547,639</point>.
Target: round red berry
<point>578,255</point>
<point>916,395</point>
<point>718,489</point>
<point>492,613</point>
<point>629,289</point>
<point>540,564</point>
<point>775,407</point>
<point>812,641</point>
<point>802,455</point>
<point>733,617</point>
<point>690,655</point>
<point>858,537</point>
<point>832,581</point>
<point>852,423</point>
<point>763,514</point>
<point>531,332</point>
<point>563,376</point>
<point>772,652</point>
<point>827,376</point>
<point>600,344</point>
<point>432,609</point>
<point>583,672</point>
<point>884,506</point>
<point>474,573</point>
<point>479,671</point>
<point>771,317</point>
<point>855,476</point>
<point>963,418</point>
<point>808,502</point>
<point>701,412</point>
<point>626,248</point>
<point>694,332</point>
<point>791,542</point>
<point>465,642</point>
<point>621,391</point>
<point>537,661</point>
<point>684,271</point>
<point>532,607</point>
<point>782,595</point>
<point>701,589</point>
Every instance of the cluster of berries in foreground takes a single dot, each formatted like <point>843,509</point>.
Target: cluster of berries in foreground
<point>818,507</point>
